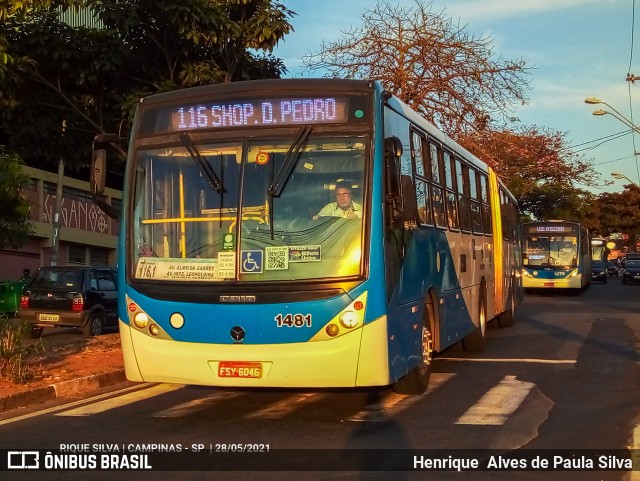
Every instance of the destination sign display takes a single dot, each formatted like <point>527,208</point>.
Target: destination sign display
<point>551,229</point>
<point>255,112</point>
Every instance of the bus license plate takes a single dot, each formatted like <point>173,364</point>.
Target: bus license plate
<point>49,317</point>
<point>548,284</point>
<point>240,369</point>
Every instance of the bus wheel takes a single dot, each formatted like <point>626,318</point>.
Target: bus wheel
<point>474,342</point>
<point>507,318</point>
<point>417,380</point>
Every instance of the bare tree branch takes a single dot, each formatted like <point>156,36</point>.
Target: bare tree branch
<point>451,77</point>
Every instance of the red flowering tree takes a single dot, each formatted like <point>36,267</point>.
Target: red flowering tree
<point>539,168</point>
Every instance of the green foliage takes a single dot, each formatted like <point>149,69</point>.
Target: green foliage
<point>66,84</point>
<point>15,227</point>
<point>619,212</point>
<point>13,365</point>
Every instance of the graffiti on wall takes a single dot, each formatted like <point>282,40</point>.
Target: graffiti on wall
<point>76,214</point>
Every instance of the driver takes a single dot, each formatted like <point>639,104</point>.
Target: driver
<point>344,206</point>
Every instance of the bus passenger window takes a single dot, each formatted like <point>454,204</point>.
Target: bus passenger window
<point>437,200</point>
<point>423,201</point>
<point>436,175</point>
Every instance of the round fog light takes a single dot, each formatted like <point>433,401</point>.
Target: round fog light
<point>154,330</point>
<point>332,330</point>
<point>176,320</point>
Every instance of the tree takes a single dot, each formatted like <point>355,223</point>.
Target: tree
<point>539,168</point>
<point>66,84</point>
<point>620,213</point>
<point>12,10</point>
<point>15,227</point>
<point>451,77</point>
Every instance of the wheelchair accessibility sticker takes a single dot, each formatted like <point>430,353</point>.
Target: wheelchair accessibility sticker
<point>251,262</point>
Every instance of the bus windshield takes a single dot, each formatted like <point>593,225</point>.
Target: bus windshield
<point>557,251</point>
<point>202,211</point>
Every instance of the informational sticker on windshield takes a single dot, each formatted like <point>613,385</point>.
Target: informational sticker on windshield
<point>277,258</point>
<point>229,242</point>
<point>251,262</point>
<point>177,269</point>
<point>311,253</point>
<point>226,265</point>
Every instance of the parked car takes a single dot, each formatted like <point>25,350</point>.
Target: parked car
<point>612,268</point>
<point>598,271</point>
<point>631,271</point>
<point>70,296</point>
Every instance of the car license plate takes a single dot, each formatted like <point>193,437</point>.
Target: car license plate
<point>240,369</point>
<point>49,317</point>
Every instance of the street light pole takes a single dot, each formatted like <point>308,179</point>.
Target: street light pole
<point>616,114</point>
<point>621,118</point>
<point>56,224</point>
<point>620,176</point>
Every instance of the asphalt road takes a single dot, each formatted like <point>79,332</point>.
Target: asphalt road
<point>565,377</point>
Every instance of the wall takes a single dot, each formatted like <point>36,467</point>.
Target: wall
<point>87,235</point>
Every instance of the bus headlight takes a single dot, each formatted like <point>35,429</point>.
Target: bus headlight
<point>526,273</point>
<point>349,319</point>
<point>574,273</point>
<point>140,320</point>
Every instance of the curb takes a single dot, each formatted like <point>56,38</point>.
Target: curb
<point>61,390</point>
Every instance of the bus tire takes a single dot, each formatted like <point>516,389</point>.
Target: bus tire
<point>475,341</point>
<point>417,380</point>
<point>508,318</point>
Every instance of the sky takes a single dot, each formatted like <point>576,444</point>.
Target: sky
<point>576,48</point>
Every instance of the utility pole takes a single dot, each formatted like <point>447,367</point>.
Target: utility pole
<point>55,233</point>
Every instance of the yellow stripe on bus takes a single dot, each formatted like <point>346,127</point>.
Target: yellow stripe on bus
<point>494,199</point>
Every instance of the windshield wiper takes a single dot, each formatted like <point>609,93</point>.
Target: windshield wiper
<point>206,169</point>
<point>290,160</point>
<point>288,164</point>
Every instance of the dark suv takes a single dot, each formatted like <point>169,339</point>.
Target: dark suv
<point>70,296</point>
<point>631,271</point>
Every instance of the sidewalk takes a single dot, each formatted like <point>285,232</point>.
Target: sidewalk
<point>64,389</point>
<point>67,365</point>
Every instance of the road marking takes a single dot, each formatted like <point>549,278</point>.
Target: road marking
<point>286,406</point>
<point>532,361</point>
<point>120,401</point>
<point>71,404</point>
<point>394,403</point>
<point>497,404</point>
<point>195,405</point>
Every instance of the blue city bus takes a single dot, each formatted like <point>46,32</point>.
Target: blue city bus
<point>556,255</point>
<point>231,276</point>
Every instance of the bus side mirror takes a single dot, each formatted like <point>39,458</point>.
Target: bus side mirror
<point>98,179</point>
<point>98,171</point>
